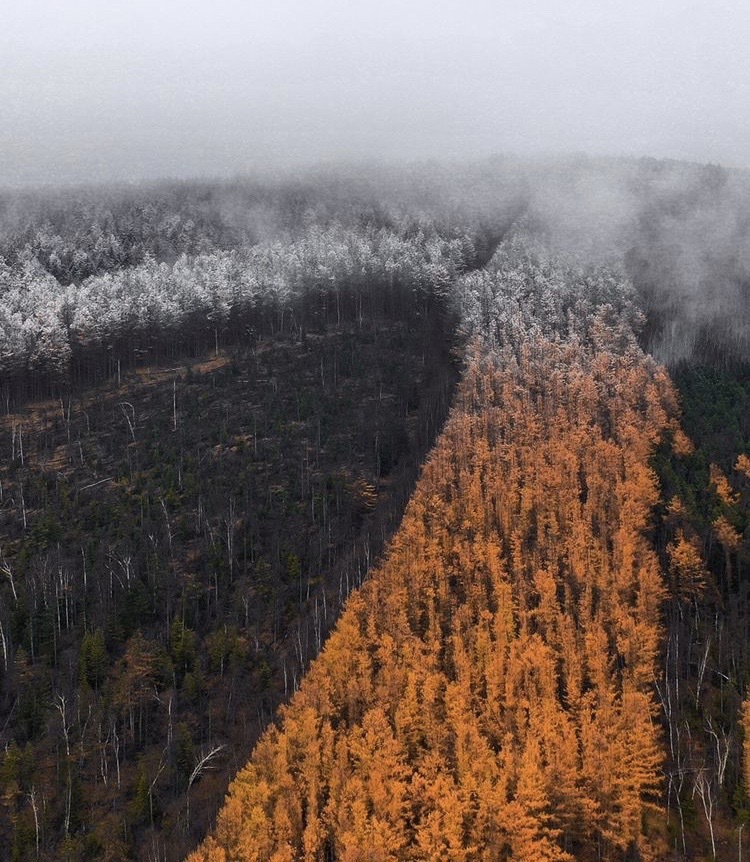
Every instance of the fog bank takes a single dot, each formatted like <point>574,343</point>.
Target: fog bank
<point>96,91</point>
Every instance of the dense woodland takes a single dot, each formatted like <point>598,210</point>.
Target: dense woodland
<point>216,398</point>
<point>488,693</point>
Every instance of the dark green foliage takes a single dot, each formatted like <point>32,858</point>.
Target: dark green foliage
<point>184,754</point>
<point>716,410</point>
<point>94,659</point>
<point>707,653</point>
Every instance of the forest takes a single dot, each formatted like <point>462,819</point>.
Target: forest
<point>385,514</point>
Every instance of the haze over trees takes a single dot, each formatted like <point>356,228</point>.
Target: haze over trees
<point>216,399</point>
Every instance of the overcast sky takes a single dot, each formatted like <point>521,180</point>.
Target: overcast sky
<point>129,89</point>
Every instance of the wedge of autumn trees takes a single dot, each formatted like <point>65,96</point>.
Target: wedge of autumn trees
<point>487,694</point>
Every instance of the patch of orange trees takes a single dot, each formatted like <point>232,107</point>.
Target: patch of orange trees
<point>486,695</point>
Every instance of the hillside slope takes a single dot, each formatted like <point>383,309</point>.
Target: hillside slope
<point>176,542</point>
<point>487,693</point>
<point>174,550</point>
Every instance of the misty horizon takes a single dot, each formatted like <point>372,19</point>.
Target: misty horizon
<point>130,93</point>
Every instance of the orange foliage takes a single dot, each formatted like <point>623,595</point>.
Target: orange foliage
<point>689,574</point>
<point>486,695</point>
<point>743,466</point>
<point>724,490</point>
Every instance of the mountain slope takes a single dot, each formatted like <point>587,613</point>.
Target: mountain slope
<point>487,692</point>
<point>174,549</point>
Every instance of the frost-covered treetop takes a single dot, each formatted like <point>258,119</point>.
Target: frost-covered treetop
<point>525,288</point>
<point>41,320</point>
